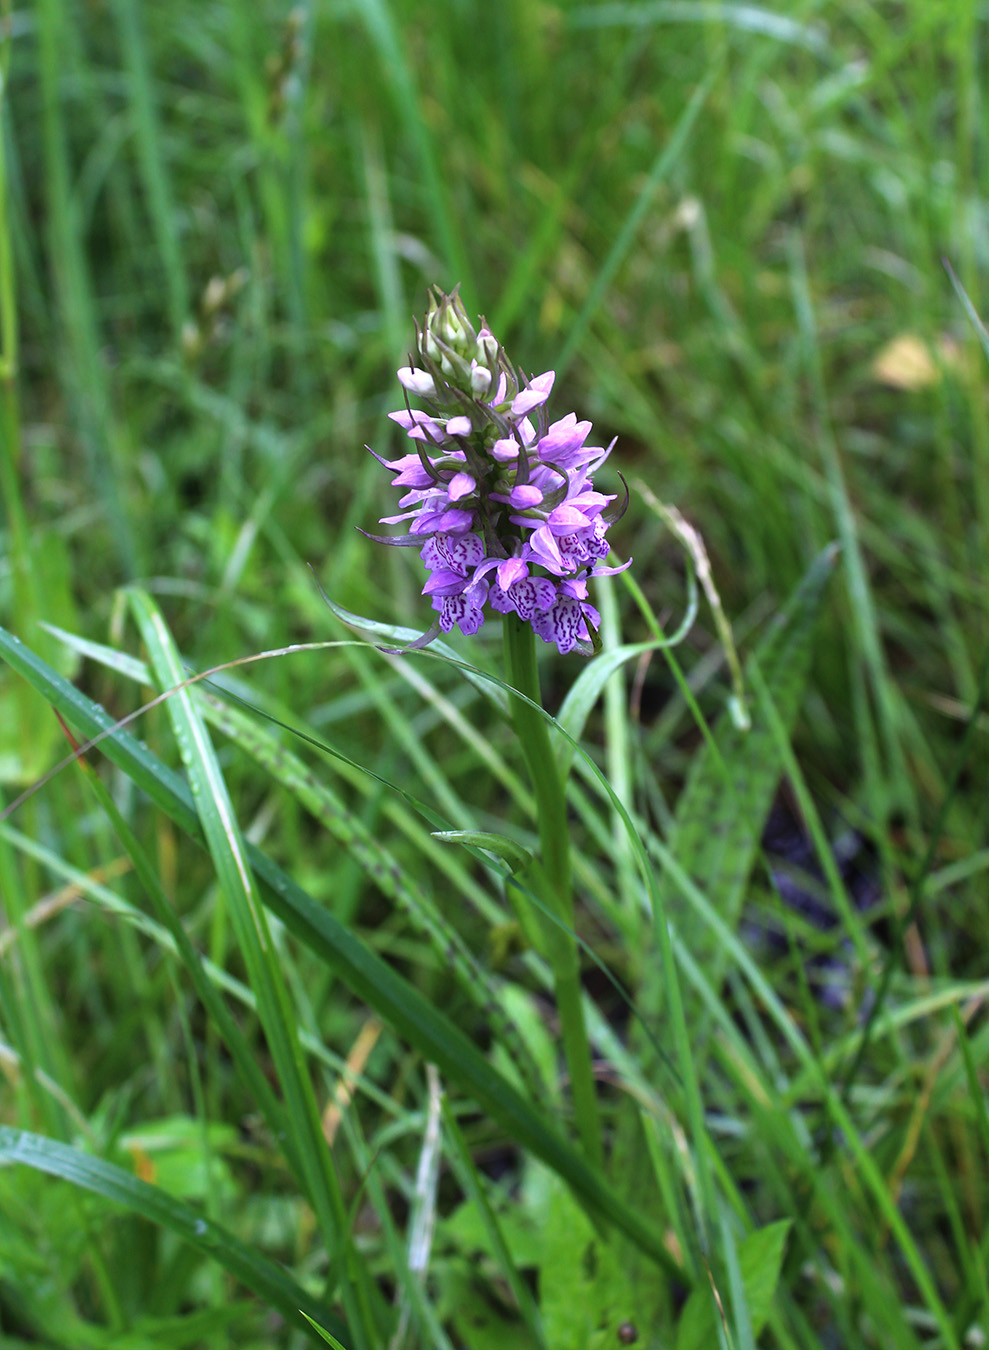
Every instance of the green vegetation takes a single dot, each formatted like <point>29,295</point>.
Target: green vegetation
<point>276,908</point>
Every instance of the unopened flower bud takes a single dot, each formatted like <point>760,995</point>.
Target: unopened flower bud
<point>448,320</point>
<point>417,382</point>
<point>487,349</point>
<point>480,380</point>
<point>430,346</point>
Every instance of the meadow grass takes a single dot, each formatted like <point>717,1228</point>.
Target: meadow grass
<point>276,1052</point>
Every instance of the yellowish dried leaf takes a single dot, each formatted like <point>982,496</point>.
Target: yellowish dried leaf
<point>906,363</point>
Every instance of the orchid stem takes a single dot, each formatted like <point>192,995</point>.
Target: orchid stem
<point>557,925</point>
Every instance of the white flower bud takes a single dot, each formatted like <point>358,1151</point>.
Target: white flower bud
<point>480,380</point>
<point>417,382</point>
<point>487,349</point>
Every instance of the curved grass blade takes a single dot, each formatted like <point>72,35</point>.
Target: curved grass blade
<point>586,689</point>
<point>390,632</point>
<point>228,851</point>
<point>267,1280</point>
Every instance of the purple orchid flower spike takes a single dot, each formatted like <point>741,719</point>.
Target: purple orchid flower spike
<point>500,501</point>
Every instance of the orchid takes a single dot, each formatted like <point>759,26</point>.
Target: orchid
<point>501,501</point>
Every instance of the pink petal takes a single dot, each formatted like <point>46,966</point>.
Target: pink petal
<point>510,571</point>
<point>417,382</point>
<point>525,495</point>
<point>566,518</point>
<point>461,485</point>
<point>537,393</point>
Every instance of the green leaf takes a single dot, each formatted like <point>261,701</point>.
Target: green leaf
<point>322,1332</point>
<point>586,689</point>
<point>517,857</point>
<point>262,1276</point>
<point>403,637</point>
<point>584,1293</point>
<point>228,850</point>
<point>760,1258</point>
<point>722,809</point>
<point>29,736</point>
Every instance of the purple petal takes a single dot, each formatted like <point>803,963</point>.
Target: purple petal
<point>588,500</point>
<point>537,393</point>
<point>511,571</point>
<point>525,495</point>
<point>545,549</point>
<point>610,571</point>
<point>413,475</point>
<point>416,495</point>
<point>458,426</point>
<point>564,438</point>
<point>459,552</point>
<point>532,594</point>
<point>458,609</point>
<point>407,420</point>
<point>444,582</point>
<point>397,520</point>
<point>566,518</point>
<point>591,616</point>
<point>477,593</point>
<point>461,485</point>
<point>505,449</point>
<point>455,521</point>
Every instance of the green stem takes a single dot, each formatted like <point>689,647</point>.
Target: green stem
<point>557,925</point>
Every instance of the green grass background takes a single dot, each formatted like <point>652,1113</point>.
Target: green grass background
<point>217,221</point>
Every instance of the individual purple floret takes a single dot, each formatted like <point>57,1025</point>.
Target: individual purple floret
<point>503,506</point>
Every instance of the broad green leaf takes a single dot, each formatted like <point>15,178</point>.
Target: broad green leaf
<point>478,1321</point>
<point>722,809</point>
<point>760,1257</point>
<point>172,1154</point>
<point>584,1295</point>
<point>267,1280</point>
<point>480,1228</point>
